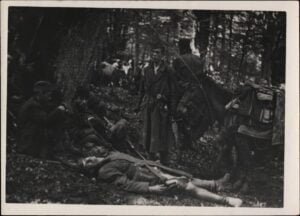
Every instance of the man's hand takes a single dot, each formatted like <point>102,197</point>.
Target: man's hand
<point>157,188</point>
<point>62,108</point>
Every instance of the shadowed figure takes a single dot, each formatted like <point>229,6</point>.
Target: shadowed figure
<point>41,119</point>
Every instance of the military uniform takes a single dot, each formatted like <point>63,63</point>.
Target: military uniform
<point>131,173</point>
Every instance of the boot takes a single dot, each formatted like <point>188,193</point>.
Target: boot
<point>221,184</point>
<point>237,184</point>
<point>241,178</point>
<point>244,188</point>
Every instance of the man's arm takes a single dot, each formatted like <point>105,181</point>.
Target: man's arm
<point>56,115</point>
<point>141,92</point>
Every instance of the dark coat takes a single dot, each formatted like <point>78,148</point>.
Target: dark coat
<point>130,173</point>
<point>37,124</point>
<point>157,107</point>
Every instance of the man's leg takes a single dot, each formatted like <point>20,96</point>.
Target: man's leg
<point>212,185</point>
<point>244,163</point>
<point>204,194</point>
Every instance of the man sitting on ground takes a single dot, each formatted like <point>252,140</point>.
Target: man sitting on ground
<point>41,120</point>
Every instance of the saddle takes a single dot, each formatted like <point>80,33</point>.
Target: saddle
<point>257,105</point>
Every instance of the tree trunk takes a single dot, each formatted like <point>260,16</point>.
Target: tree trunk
<point>215,42</point>
<point>244,50</point>
<point>223,44</point>
<point>230,47</point>
<point>202,35</point>
<point>137,47</point>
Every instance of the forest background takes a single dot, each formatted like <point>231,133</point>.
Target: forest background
<point>67,45</point>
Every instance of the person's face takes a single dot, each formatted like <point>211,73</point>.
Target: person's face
<point>156,55</point>
<point>91,162</point>
<point>44,97</point>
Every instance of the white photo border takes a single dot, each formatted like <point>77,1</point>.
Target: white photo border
<point>291,156</point>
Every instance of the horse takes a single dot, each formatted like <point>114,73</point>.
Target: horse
<point>109,74</point>
<point>204,103</point>
<point>201,105</point>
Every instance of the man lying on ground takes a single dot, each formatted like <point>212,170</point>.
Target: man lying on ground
<point>142,176</point>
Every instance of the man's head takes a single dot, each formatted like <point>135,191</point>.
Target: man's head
<point>81,98</point>
<point>91,148</point>
<point>184,46</point>
<point>90,162</point>
<point>43,91</point>
<point>157,53</point>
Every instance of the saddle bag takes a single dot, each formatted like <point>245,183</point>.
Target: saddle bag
<point>265,105</point>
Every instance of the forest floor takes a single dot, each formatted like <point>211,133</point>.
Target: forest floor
<point>30,180</point>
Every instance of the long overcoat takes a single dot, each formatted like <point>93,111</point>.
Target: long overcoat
<point>157,107</point>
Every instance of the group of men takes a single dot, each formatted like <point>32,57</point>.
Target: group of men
<point>99,142</point>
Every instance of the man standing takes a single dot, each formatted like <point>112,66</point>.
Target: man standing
<point>158,106</point>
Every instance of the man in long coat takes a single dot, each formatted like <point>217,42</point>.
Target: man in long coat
<point>158,106</point>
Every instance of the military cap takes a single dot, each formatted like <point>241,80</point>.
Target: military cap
<point>42,86</point>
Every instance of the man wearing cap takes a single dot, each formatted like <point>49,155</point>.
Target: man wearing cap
<point>142,176</point>
<point>38,116</point>
<point>158,105</point>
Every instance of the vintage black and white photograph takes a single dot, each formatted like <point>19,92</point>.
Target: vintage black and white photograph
<point>145,106</point>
